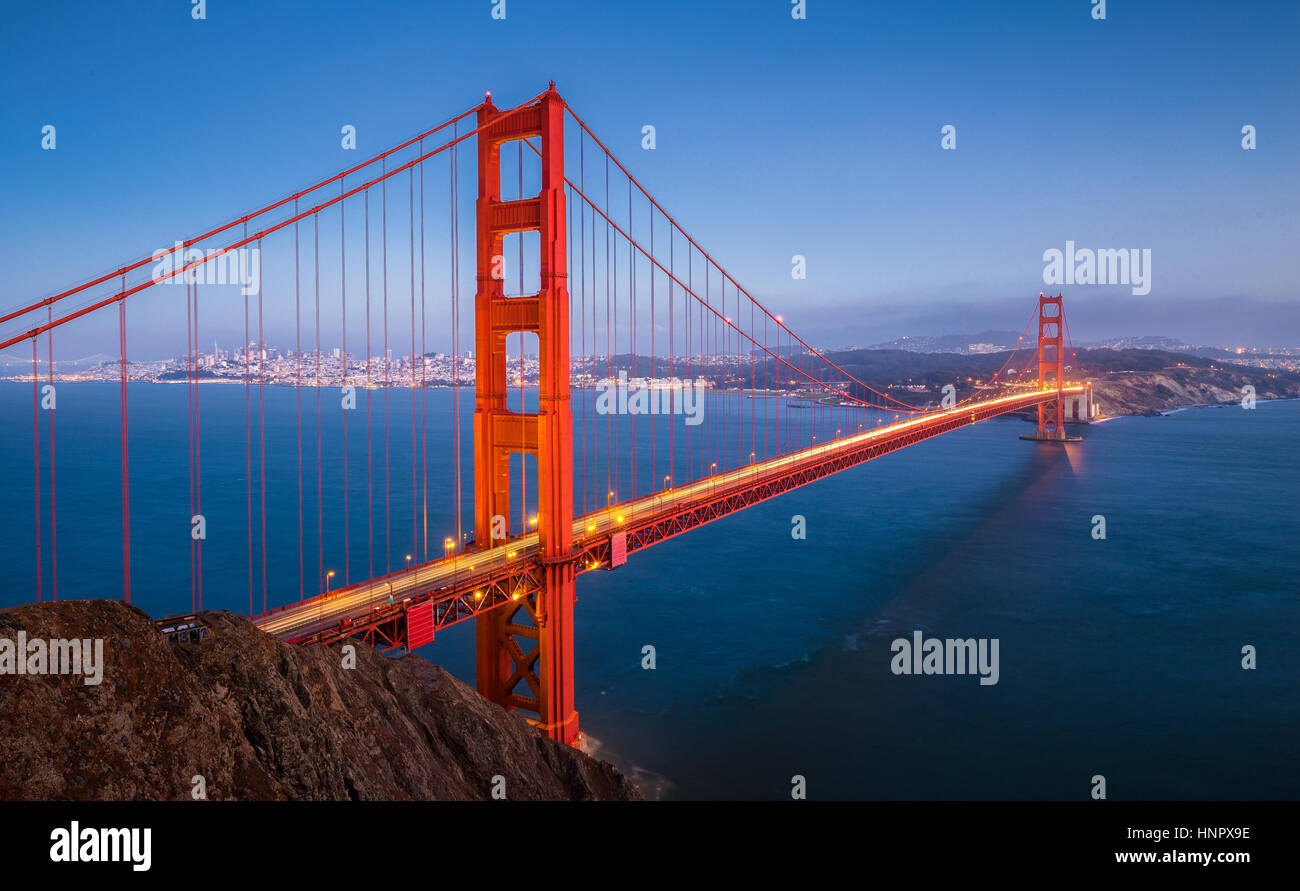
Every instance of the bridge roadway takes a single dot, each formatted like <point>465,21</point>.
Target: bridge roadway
<point>429,596</point>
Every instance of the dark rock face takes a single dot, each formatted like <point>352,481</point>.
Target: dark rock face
<point>258,719</point>
<point>1154,392</point>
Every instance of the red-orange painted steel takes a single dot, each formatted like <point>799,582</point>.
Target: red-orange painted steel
<point>523,606</point>
<point>419,625</point>
<point>493,586</point>
<point>1051,414</point>
<point>525,652</point>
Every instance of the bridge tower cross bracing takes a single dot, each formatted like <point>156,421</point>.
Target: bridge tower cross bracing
<point>1051,371</point>
<point>1051,337</point>
<point>525,651</point>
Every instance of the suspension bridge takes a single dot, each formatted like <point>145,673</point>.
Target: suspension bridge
<point>714,403</point>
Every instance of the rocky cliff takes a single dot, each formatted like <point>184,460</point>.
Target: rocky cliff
<point>257,719</point>
<point>1153,392</point>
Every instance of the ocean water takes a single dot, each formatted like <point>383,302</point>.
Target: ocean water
<point>1118,657</point>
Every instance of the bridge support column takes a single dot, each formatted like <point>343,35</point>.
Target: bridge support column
<point>1051,370</point>
<point>525,649</point>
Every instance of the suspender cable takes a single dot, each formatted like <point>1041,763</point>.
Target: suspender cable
<point>126,464</point>
<point>583,126</point>
<point>320,464</point>
<point>248,450</point>
<point>720,442</point>
<point>614,302</point>
<point>370,475</point>
<point>189,420</point>
<point>568,219</point>
<point>686,319</point>
<point>454,266</point>
<point>595,455</point>
<point>424,386</point>
<point>261,436</point>
<point>54,537</point>
<point>582,302</point>
<point>36,459</point>
<point>297,363</point>
<point>718,319</point>
<point>631,340</point>
<point>672,369</point>
<point>343,302</point>
<point>611,418</point>
<point>388,379</point>
<point>198,444</point>
<point>705,343</point>
<point>415,489</point>
<point>783,410</point>
<point>719,364</point>
<point>708,342</point>
<point>523,405</point>
<point>455,348</point>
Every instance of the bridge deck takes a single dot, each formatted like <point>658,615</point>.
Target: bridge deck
<point>442,592</point>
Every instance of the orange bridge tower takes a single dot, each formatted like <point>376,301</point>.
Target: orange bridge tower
<point>1051,371</point>
<point>525,651</point>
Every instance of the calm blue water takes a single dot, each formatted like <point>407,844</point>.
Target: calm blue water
<point>1118,657</point>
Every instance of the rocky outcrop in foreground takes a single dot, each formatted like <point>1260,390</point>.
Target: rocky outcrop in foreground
<point>257,719</point>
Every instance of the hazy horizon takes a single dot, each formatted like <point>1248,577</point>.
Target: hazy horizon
<point>1227,323</point>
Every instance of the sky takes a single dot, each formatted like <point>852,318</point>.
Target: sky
<point>775,136</point>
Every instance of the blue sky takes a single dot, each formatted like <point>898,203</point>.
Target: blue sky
<point>775,137</point>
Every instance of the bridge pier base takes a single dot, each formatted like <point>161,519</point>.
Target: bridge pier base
<point>1034,437</point>
<point>530,643</point>
<point>556,655</point>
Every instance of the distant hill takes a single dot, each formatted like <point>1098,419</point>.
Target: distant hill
<point>965,344</point>
<point>1146,342</point>
<point>1000,341</point>
<point>1128,381</point>
<point>1166,344</point>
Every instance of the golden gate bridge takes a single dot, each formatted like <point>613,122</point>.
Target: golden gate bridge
<point>616,285</point>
